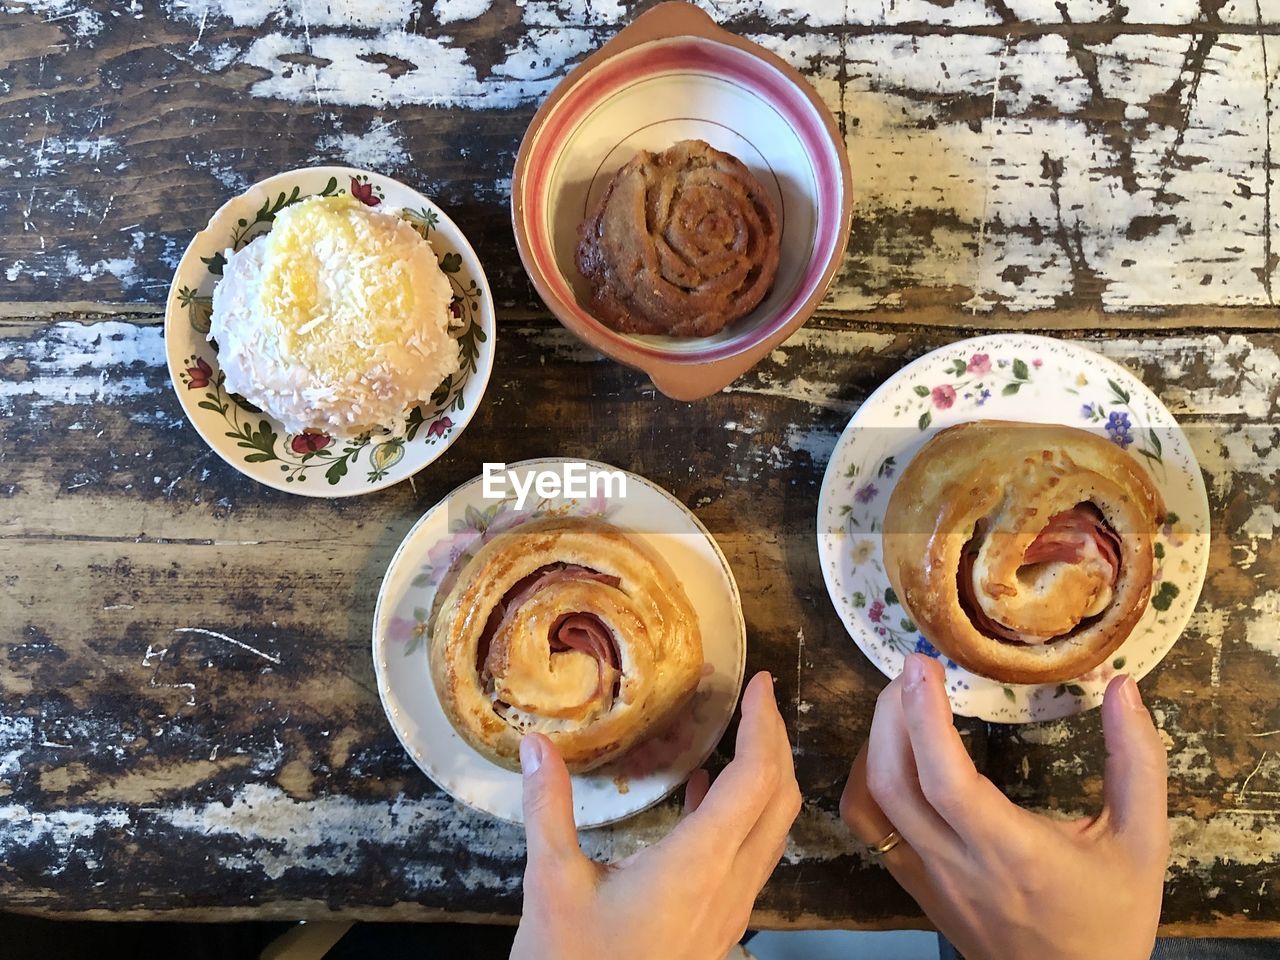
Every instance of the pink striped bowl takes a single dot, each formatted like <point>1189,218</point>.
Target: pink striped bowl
<point>672,75</point>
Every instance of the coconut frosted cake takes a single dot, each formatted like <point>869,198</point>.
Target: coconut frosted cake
<point>337,320</point>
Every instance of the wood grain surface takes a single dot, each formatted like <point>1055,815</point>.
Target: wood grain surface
<point>140,737</point>
<point>1007,154</point>
<point>188,722</point>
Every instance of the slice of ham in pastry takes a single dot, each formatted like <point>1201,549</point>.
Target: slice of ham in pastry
<point>1078,536</point>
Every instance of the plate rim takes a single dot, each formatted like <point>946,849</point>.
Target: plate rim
<point>699,527</point>
<point>483,373</point>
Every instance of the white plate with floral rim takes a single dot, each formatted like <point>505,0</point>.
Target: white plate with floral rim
<point>449,533</point>
<point>315,464</point>
<point>1033,380</point>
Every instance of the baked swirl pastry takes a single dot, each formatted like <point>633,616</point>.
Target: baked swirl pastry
<point>682,243</point>
<point>568,627</point>
<point>1024,552</point>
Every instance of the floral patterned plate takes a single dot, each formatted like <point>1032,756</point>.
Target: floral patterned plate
<point>440,543</point>
<point>1010,377</point>
<point>315,464</point>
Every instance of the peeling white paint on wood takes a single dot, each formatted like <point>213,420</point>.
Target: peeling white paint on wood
<point>379,148</point>
<point>1262,630</point>
<point>1021,170</point>
<point>121,354</point>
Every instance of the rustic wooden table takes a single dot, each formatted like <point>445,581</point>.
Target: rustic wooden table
<point>1096,170</point>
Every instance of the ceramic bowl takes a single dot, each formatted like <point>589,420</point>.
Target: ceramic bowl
<point>315,464</point>
<point>672,75</point>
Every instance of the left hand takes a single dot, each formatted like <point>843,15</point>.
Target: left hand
<point>687,897</point>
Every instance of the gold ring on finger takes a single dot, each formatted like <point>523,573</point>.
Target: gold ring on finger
<point>891,840</point>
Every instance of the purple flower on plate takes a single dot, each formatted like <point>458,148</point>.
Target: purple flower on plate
<point>929,650</point>
<point>1119,428</point>
<point>925,647</point>
<point>866,493</point>
<point>984,396</point>
<point>400,629</point>
<point>876,611</point>
<point>445,551</point>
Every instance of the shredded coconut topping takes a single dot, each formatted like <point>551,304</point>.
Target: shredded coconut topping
<point>337,320</point>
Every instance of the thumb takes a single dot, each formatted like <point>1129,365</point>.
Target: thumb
<point>1137,790</point>
<point>548,801</point>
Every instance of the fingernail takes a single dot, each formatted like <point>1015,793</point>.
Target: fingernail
<point>913,673</point>
<point>530,755</point>
<point>1129,694</point>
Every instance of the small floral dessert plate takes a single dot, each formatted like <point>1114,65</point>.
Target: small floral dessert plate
<point>316,464</point>
<point>443,540</point>
<point>1032,380</point>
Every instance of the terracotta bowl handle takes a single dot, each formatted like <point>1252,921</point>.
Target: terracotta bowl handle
<point>694,381</point>
<point>666,20</point>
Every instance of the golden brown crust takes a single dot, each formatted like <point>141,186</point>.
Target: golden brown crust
<point>681,243</point>
<point>1011,478</point>
<point>591,711</point>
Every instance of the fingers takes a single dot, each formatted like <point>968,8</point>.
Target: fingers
<point>858,809</point>
<point>695,789</point>
<point>968,801</point>
<point>548,802</point>
<point>1137,792</point>
<point>861,813</point>
<point>892,778</point>
<point>740,795</point>
<point>767,841</point>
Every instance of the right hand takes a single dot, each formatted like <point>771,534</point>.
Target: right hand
<point>1000,882</point>
<point>686,897</point>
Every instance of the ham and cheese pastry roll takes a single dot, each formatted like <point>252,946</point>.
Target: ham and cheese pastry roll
<point>568,627</point>
<point>1024,552</point>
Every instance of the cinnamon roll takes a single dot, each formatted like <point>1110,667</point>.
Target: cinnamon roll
<point>568,627</point>
<point>682,243</point>
<point>1023,552</point>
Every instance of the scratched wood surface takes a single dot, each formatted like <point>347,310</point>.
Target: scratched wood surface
<point>1008,154</point>
<point>150,761</point>
<point>188,723</point>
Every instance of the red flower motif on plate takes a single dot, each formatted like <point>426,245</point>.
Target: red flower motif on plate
<point>310,442</point>
<point>979,364</point>
<point>364,193</point>
<point>944,396</point>
<point>200,374</point>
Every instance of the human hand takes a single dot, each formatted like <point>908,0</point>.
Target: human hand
<point>1000,882</point>
<point>688,896</point>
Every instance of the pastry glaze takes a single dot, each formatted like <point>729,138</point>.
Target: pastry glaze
<point>999,490</point>
<point>569,627</point>
<point>681,243</point>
